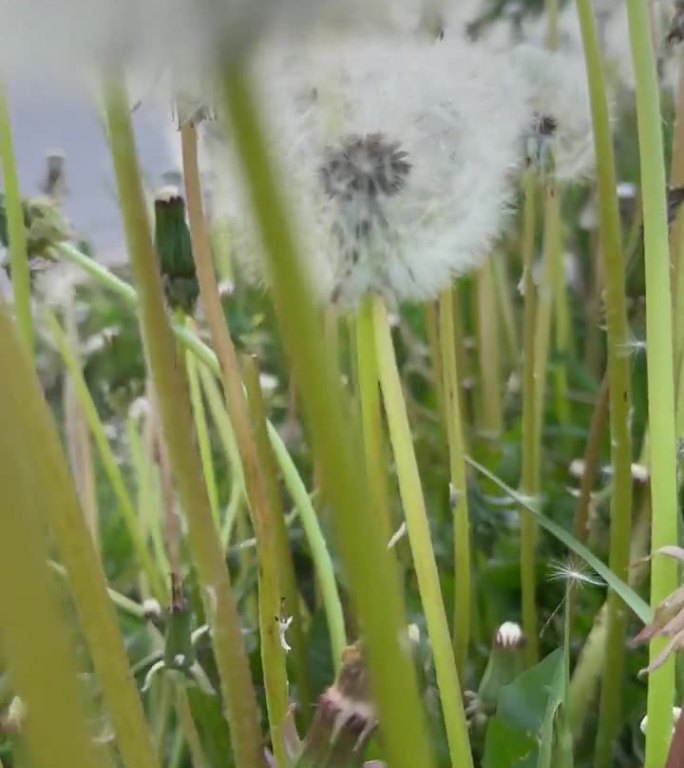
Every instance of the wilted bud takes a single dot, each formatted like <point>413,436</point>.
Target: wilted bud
<point>668,621</point>
<point>345,718</point>
<point>172,240</point>
<point>506,662</point>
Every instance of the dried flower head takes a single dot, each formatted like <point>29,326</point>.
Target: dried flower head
<point>399,157</point>
<point>560,137</point>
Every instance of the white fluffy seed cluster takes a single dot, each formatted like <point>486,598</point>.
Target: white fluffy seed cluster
<point>399,157</point>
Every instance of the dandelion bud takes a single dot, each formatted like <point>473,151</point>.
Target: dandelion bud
<point>506,662</point>
<point>172,240</point>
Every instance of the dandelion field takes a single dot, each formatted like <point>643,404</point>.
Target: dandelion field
<point>368,453</point>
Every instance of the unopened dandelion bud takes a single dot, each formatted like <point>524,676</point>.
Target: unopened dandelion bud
<point>174,249</point>
<point>506,662</point>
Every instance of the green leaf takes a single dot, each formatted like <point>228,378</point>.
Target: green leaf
<point>625,592</point>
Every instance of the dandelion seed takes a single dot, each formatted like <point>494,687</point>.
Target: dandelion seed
<point>397,536</point>
<point>575,572</point>
<point>283,626</point>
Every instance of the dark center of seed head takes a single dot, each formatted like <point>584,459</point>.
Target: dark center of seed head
<point>546,125</point>
<point>369,165</point>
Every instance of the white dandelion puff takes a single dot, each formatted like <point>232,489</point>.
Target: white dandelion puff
<point>560,134</point>
<point>399,157</point>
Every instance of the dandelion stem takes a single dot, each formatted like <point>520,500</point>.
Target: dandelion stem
<point>419,529</point>
<point>221,608</point>
<point>372,579</point>
<point>109,463</point>
<point>619,390</point>
<point>488,344</point>
<point>55,496</point>
<point>16,229</point>
<point>661,406</point>
<point>201,427</point>
<point>530,455</point>
<point>29,610</point>
<point>264,504</point>
<point>677,251</point>
<point>371,413</point>
<point>457,474</point>
<point>293,480</point>
<point>270,570</point>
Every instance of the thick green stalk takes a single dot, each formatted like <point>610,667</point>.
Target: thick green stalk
<point>43,673</point>
<point>458,492</point>
<point>419,529</point>
<point>52,480</point>
<point>174,406</point>
<point>371,576</point>
<point>371,414</point>
<point>677,251</point>
<point>661,406</point>
<point>619,391</point>
<point>109,463</point>
<point>488,345</point>
<point>530,448</point>
<point>551,267</point>
<point>16,230</point>
<point>202,429</point>
<point>506,310</point>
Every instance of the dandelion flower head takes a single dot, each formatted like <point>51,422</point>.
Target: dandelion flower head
<point>561,130</point>
<point>400,156</point>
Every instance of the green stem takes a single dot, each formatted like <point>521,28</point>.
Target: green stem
<point>16,229</point>
<point>419,531</point>
<point>545,295</point>
<point>530,457</point>
<point>52,480</point>
<point>371,413</point>
<point>201,428</point>
<point>226,435</point>
<point>458,491</point>
<point>109,463</point>
<point>502,284</point>
<point>619,391</point>
<point>488,345</point>
<point>264,499</point>
<point>661,406</point>
<point>217,592</point>
<point>293,480</point>
<point>270,571</point>
<point>371,576</point>
<point>30,610</point>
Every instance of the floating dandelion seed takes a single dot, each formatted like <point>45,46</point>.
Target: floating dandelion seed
<point>400,160</point>
<point>575,572</point>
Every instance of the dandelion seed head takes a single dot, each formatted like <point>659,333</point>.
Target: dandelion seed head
<point>560,133</point>
<point>399,156</point>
